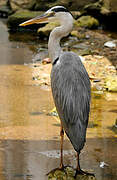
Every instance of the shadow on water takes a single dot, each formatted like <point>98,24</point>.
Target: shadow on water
<point>29,138</point>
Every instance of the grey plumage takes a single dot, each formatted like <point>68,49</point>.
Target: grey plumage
<point>71,92</point>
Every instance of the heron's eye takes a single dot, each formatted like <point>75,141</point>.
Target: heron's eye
<point>51,14</point>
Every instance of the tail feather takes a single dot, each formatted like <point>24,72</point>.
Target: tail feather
<point>77,136</point>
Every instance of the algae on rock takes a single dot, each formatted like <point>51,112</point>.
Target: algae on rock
<point>21,16</point>
<point>67,174</point>
<point>45,31</point>
<point>87,21</point>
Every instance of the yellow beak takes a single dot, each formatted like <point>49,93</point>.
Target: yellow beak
<point>39,19</point>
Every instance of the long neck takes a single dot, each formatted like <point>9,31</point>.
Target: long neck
<point>55,37</point>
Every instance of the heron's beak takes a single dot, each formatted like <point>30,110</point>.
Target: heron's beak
<point>39,19</point>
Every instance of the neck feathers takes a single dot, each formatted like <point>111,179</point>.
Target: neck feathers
<point>56,35</point>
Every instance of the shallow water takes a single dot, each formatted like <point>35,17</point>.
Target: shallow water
<point>29,138</point>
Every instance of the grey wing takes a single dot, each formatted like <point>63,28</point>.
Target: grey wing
<point>71,92</point>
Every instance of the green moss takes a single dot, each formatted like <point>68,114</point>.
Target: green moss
<point>87,21</point>
<point>77,34</point>
<point>67,174</point>
<point>21,16</point>
<point>45,31</point>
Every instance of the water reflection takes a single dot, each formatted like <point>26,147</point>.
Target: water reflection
<point>28,134</point>
<point>14,48</point>
<point>23,159</point>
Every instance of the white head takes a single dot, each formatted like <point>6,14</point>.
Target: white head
<point>64,17</point>
<point>59,13</point>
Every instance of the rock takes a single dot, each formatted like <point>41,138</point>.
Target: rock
<point>76,14</point>
<point>109,6</point>
<point>87,21</point>
<point>21,16</point>
<point>102,164</point>
<point>103,6</point>
<point>104,10</point>
<point>5,9</point>
<point>99,67</point>
<point>53,112</point>
<point>42,54</point>
<point>70,171</point>
<point>16,4</point>
<point>46,61</point>
<point>32,5</point>
<point>93,6</point>
<point>74,5</point>
<point>67,174</point>
<point>77,34</point>
<point>19,4</point>
<point>110,44</point>
<point>45,31</point>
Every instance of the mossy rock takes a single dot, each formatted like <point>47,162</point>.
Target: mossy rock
<point>109,6</point>
<point>24,15</point>
<point>21,16</point>
<point>93,6</point>
<point>5,10</point>
<point>87,21</point>
<point>45,31</point>
<point>72,5</point>
<point>38,5</point>
<point>77,34</point>
<point>67,174</point>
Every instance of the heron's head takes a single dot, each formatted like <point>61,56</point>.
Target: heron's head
<point>57,13</point>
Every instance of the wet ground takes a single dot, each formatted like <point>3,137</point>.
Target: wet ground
<point>29,137</point>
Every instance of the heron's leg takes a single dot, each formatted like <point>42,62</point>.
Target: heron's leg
<point>61,167</point>
<point>78,163</point>
<point>79,170</point>
<point>62,138</point>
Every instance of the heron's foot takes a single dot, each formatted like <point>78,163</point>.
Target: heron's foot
<point>81,172</point>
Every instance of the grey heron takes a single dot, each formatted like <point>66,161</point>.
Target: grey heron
<point>69,82</point>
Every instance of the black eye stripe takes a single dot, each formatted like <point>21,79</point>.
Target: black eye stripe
<point>60,9</point>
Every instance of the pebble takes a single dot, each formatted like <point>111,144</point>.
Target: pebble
<point>110,44</point>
